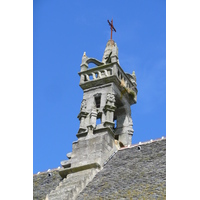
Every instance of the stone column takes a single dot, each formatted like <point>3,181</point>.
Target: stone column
<point>125,135</point>
<point>130,128</point>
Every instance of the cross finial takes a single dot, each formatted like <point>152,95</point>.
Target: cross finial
<point>111,27</point>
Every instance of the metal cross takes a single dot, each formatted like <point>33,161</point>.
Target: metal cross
<point>111,27</point>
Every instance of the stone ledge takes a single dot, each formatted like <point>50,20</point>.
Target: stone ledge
<point>64,172</point>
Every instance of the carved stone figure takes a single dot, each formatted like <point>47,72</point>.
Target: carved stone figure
<point>111,97</point>
<point>83,104</point>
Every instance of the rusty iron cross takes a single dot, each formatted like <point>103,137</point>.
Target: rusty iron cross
<point>111,27</point>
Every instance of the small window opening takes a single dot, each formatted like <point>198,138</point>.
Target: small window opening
<point>98,101</point>
<point>85,78</point>
<point>139,148</point>
<point>98,119</point>
<point>115,121</point>
<point>96,75</point>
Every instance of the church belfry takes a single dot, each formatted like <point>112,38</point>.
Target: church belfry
<point>105,112</point>
<point>105,119</point>
<point>108,94</point>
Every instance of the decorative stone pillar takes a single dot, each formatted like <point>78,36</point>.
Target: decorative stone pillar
<point>92,125</point>
<point>130,130</point>
<point>109,110</point>
<point>84,64</point>
<point>126,131</point>
<point>82,115</point>
<point>84,67</point>
<point>93,118</point>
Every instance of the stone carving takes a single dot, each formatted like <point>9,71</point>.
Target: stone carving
<point>134,77</point>
<point>111,97</point>
<point>83,105</point>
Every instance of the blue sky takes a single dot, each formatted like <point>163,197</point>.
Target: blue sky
<point>62,31</point>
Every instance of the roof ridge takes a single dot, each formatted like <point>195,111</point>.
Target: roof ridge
<point>122,148</point>
<point>49,170</point>
<point>142,143</point>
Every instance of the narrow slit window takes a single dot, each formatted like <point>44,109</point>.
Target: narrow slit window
<point>115,122</point>
<point>85,78</point>
<point>98,101</point>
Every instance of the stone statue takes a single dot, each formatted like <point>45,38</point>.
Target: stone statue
<point>83,105</point>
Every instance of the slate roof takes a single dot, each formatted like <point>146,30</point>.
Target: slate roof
<point>44,182</point>
<point>137,172</point>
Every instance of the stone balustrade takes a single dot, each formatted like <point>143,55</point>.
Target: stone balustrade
<point>112,69</point>
<point>95,73</point>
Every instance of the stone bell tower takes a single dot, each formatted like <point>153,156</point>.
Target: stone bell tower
<point>105,121</point>
<point>105,112</point>
<point>108,94</point>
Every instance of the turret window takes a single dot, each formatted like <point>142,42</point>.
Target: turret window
<point>97,101</point>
